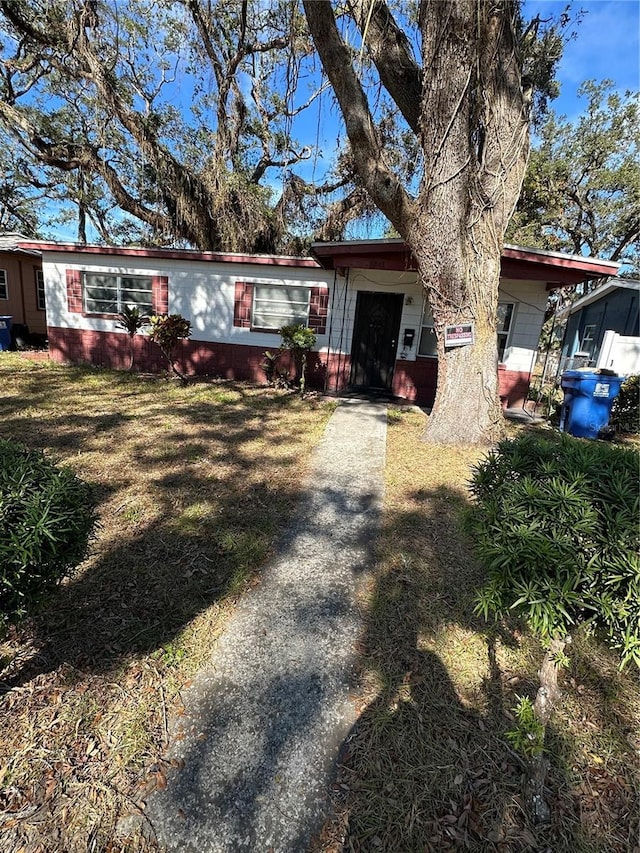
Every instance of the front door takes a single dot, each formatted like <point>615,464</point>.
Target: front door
<point>375,340</point>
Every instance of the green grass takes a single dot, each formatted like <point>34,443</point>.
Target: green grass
<point>194,485</point>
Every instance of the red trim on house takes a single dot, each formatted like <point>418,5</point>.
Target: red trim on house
<point>74,291</point>
<point>318,309</point>
<point>173,254</point>
<point>242,304</point>
<point>412,380</point>
<point>514,387</point>
<point>160,294</point>
<point>227,361</point>
<point>517,262</point>
<point>594,267</point>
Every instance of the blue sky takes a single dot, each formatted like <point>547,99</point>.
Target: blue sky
<point>607,46</point>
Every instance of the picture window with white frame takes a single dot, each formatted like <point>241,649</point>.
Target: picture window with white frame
<point>275,306</point>
<point>506,311</point>
<point>4,287</point>
<point>427,346</point>
<point>109,293</point>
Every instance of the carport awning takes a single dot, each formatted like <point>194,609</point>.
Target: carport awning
<point>556,269</point>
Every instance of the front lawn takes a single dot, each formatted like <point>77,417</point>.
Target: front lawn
<point>429,767</point>
<point>193,484</point>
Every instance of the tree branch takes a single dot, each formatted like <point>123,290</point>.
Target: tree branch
<point>381,183</point>
<point>391,53</point>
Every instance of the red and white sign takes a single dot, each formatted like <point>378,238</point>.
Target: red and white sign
<point>458,336</point>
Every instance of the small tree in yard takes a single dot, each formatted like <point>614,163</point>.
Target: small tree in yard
<point>299,340</point>
<point>167,330</point>
<point>555,523</point>
<point>131,320</point>
<point>46,518</point>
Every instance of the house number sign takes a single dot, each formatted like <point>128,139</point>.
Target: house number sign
<point>458,336</point>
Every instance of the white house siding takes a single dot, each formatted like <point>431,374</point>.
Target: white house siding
<point>205,292</point>
<point>530,299</point>
<point>201,291</point>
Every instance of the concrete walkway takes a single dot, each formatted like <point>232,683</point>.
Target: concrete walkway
<point>264,725</point>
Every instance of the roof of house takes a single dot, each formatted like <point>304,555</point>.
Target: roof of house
<point>11,241</point>
<point>171,254</point>
<point>554,268</point>
<point>598,293</point>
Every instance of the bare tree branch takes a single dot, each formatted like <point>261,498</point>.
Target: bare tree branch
<point>381,182</point>
<point>391,52</point>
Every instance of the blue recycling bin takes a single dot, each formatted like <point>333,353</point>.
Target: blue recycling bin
<point>588,397</point>
<point>5,332</point>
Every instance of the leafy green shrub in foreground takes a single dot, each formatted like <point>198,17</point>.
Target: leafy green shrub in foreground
<point>46,519</point>
<point>556,525</point>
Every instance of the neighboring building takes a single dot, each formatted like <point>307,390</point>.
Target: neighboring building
<point>603,327</point>
<point>22,291</point>
<point>363,299</point>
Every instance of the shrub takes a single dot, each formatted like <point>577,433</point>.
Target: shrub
<point>625,412</point>
<point>167,330</point>
<point>131,320</point>
<point>299,340</point>
<point>46,518</point>
<point>556,525</point>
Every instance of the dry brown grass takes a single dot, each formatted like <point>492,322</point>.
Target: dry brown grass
<point>193,484</point>
<point>428,767</point>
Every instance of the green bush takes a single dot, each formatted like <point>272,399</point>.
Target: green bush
<point>299,340</point>
<point>46,518</point>
<point>167,330</point>
<point>625,412</point>
<point>555,522</point>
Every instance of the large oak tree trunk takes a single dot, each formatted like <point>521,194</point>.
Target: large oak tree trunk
<point>467,108</point>
<point>474,136</point>
<point>467,407</point>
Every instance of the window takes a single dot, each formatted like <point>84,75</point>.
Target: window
<point>428,347</point>
<point>588,339</point>
<point>4,290</point>
<point>107,293</point>
<point>40,290</point>
<point>275,306</point>
<point>505,317</point>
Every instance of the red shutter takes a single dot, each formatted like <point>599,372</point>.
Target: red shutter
<point>160,294</point>
<point>242,304</point>
<point>318,309</point>
<point>74,291</point>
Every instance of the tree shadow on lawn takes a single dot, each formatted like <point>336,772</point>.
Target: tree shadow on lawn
<point>427,766</point>
<point>209,512</point>
<point>263,726</point>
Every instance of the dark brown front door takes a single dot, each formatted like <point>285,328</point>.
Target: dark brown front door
<point>375,340</point>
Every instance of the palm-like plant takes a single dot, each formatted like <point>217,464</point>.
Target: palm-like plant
<point>131,320</point>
